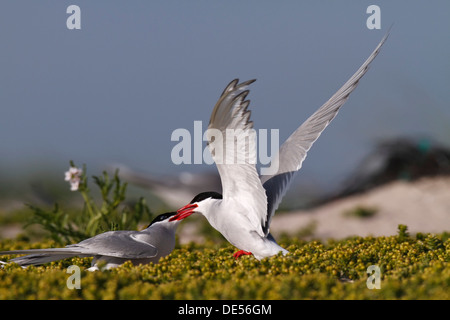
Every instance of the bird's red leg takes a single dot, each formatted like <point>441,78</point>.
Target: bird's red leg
<point>240,253</point>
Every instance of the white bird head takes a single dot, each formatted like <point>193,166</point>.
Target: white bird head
<point>200,204</point>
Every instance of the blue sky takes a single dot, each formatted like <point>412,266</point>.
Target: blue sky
<point>114,91</point>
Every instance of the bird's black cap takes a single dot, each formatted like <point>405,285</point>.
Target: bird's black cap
<point>206,195</point>
<point>162,217</point>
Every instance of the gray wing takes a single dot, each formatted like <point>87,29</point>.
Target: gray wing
<point>121,244</point>
<point>294,150</point>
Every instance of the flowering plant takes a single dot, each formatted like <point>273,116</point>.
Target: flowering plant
<point>111,214</point>
<point>74,177</point>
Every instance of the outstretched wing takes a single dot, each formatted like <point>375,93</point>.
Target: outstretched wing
<point>232,142</point>
<point>294,150</point>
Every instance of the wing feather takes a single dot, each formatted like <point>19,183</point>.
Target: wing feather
<point>294,150</point>
<point>121,244</point>
<point>232,143</point>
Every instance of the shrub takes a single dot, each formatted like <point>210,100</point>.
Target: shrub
<point>412,269</point>
<point>113,213</point>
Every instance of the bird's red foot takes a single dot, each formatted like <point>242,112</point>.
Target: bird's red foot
<point>240,253</point>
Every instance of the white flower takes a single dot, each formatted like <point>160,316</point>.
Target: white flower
<point>74,177</point>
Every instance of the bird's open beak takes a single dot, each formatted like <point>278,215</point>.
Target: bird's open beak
<point>184,212</point>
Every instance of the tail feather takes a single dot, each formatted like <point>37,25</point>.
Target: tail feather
<point>33,251</point>
<point>41,256</point>
<point>38,259</point>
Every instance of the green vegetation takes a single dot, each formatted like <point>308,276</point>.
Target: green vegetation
<point>112,214</point>
<point>411,268</point>
<point>361,212</point>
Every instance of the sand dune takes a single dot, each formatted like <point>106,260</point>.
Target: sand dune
<point>423,205</point>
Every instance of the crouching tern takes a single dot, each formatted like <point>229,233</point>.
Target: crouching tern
<point>244,212</point>
<point>111,249</point>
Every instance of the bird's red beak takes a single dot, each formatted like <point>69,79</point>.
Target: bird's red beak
<point>184,212</point>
